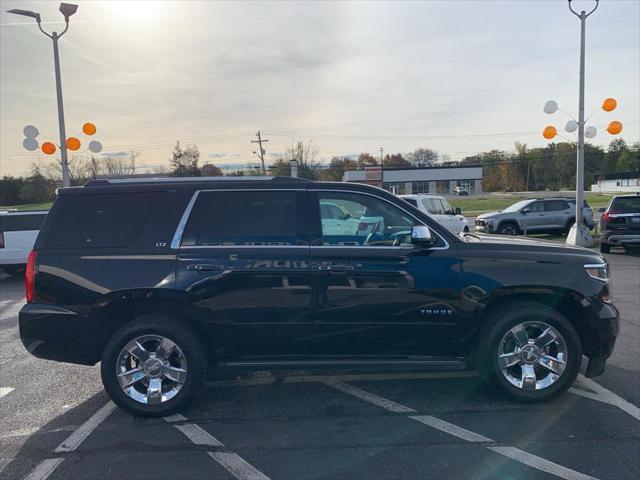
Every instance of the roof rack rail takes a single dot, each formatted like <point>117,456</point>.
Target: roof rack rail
<point>146,180</point>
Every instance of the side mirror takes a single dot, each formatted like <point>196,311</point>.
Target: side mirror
<point>458,211</point>
<point>602,209</point>
<point>347,216</point>
<point>524,211</point>
<point>421,236</point>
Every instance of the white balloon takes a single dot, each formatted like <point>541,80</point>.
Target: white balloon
<point>550,107</point>
<point>590,132</point>
<point>30,144</point>
<point>30,131</point>
<point>571,126</point>
<point>95,146</point>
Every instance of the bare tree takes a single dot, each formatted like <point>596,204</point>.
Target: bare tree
<point>423,157</point>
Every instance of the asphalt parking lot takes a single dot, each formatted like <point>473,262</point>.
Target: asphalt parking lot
<point>57,422</point>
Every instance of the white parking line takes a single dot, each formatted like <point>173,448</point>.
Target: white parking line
<point>540,463</point>
<point>371,398</point>
<point>232,462</point>
<point>44,469</point>
<point>74,440</point>
<point>238,466</point>
<point>601,394</point>
<point>451,429</point>
<point>11,309</point>
<point>198,436</point>
<point>513,453</point>
<point>4,391</point>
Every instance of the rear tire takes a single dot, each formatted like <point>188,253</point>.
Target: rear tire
<point>540,323</point>
<point>605,247</point>
<point>183,357</point>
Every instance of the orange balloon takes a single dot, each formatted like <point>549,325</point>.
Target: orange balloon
<point>614,127</point>
<point>48,148</point>
<point>73,143</point>
<point>609,104</point>
<point>89,128</point>
<point>549,132</point>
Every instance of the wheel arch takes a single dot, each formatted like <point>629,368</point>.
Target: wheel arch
<point>567,302</point>
<point>509,220</point>
<point>121,308</point>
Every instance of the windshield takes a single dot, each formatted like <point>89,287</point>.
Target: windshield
<point>626,204</point>
<point>517,206</point>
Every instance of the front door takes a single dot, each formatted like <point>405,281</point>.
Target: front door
<point>244,262</point>
<point>375,294</point>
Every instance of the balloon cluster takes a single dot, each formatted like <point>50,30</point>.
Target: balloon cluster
<point>608,105</point>
<point>31,133</point>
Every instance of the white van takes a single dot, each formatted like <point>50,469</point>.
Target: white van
<point>18,232</point>
<point>438,208</point>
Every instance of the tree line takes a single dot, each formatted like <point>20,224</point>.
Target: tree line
<point>524,169</point>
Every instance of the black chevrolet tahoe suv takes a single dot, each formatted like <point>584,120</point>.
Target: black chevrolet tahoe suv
<point>161,280</point>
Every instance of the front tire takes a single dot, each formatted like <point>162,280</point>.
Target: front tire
<point>508,228</point>
<point>529,351</point>
<point>153,366</point>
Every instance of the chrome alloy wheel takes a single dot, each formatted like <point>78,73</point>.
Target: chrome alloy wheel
<point>151,369</point>
<point>532,356</point>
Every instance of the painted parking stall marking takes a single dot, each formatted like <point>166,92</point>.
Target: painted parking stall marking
<point>600,394</point>
<point>9,309</point>
<point>4,391</point>
<point>72,442</point>
<point>232,462</point>
<point>513,453</point>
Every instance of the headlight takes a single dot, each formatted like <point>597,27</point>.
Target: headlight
<point>599,271</point>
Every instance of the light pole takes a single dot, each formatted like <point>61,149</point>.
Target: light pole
<point>67,9</point>
<point>579,233</point>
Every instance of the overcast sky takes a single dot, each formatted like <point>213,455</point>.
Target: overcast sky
<point>456,76</point>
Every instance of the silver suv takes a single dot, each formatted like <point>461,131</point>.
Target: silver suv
<point>542,215</point>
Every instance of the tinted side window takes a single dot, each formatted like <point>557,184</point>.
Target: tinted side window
<point>535,207</point>
<point>259,218</point>
<point>104,220</point>
<point>15,223</point>
<point>371,222</point>
<point>555,205</point>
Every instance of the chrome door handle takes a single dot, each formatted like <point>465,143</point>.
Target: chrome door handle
<point>204,267</point>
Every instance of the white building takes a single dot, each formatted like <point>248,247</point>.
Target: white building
<point>617,182</point>
<point>439,179</point>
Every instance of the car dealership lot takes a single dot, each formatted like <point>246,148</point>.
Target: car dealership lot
<point>58,423</point>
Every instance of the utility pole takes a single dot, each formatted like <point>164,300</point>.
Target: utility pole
<point>579,233</point>
<point>260,141</point>
<point>67,9</point>
<point>381,158</point>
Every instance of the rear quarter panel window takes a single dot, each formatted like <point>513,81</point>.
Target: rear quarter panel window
<point>111,220</point>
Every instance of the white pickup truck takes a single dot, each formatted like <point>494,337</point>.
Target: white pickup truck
<point>18,232</point>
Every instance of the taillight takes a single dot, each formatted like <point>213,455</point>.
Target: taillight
<point>1,239</point>
<point>30,277</point>
<point>607,216</point>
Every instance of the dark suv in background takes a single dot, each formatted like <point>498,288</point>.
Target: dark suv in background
<point>161,279</point>
<point>620,223</point>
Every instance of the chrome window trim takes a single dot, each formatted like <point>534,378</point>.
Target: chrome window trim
<point>177,237</point>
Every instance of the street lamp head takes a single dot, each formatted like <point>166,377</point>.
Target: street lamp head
<point>68,9</point>
<point>25,13</point>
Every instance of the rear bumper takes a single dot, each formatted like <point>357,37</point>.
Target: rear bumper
<point>55,333</point>
<point>621,238</point>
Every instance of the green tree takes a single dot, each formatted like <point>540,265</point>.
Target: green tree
<point>629,160</point>
<point>185,161</point>
<point>37,188</point>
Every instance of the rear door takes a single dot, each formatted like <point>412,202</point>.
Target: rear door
<point>244,262</point>
<point>557,214</point>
